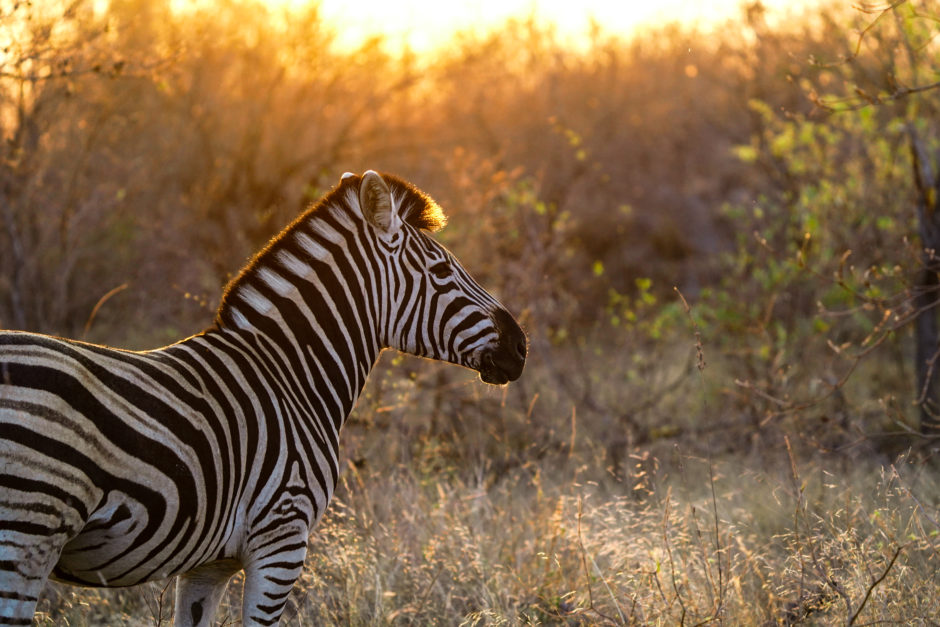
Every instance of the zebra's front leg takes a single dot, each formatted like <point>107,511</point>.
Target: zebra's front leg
<point>269,580</point>
<point>199,591</point>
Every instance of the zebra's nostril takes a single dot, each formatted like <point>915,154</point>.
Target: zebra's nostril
<point>512,337</point>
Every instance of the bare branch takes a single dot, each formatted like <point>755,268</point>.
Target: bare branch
<point>875,583</point>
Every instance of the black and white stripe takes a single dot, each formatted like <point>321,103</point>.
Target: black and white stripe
<point>220,453</point>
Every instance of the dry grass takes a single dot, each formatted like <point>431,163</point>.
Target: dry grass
<point>699,542</point>
<point>443,517</point>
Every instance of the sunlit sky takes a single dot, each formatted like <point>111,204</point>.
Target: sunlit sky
<point>425,24</point>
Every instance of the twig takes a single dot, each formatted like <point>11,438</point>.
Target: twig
<point>156,605</point>
<point>699,349</point>
<point>798,513</point>
<point>574,435</point>
<point>672,564</point>
<point>877,581</point>
<point>718,549</point>
<point>427,593</point>
<point>700,353</point>
<point>98,305</point>
<point>864,99</point>
<point>882,11</point>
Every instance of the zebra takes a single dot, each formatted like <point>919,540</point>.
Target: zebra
<point>220,453</point>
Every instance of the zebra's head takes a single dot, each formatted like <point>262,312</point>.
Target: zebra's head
<point>436,309</point>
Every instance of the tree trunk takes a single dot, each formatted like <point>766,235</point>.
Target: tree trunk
<point>926,346</point>
<point>927,289</point>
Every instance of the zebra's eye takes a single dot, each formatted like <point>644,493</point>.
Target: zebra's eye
<point>441,269</point>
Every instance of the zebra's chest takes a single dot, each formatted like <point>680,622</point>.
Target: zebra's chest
<point>294,495</point>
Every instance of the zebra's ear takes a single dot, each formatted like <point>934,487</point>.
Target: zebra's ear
<point>375,200</point>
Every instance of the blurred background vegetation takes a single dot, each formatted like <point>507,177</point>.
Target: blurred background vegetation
<point>720,240</point>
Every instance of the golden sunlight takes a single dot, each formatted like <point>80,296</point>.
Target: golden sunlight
<point>422,25</point>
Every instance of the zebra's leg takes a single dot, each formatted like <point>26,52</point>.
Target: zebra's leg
<point>25,564</point>
<point>37,519</point>
<point>20,585</point>
<point>199,591</point>
<point>268,583</point>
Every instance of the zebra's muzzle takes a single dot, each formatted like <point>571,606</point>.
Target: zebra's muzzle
<point>505,361</point>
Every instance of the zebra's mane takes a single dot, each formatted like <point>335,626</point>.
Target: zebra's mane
<point>414,207</point>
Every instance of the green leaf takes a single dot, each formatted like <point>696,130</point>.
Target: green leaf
<point>747,154</point>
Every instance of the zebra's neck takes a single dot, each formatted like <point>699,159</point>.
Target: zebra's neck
<point>309,302</point>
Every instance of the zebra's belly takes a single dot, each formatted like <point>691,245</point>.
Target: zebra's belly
<point>124,543</point>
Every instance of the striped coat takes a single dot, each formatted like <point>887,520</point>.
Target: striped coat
<point>220,452</point>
